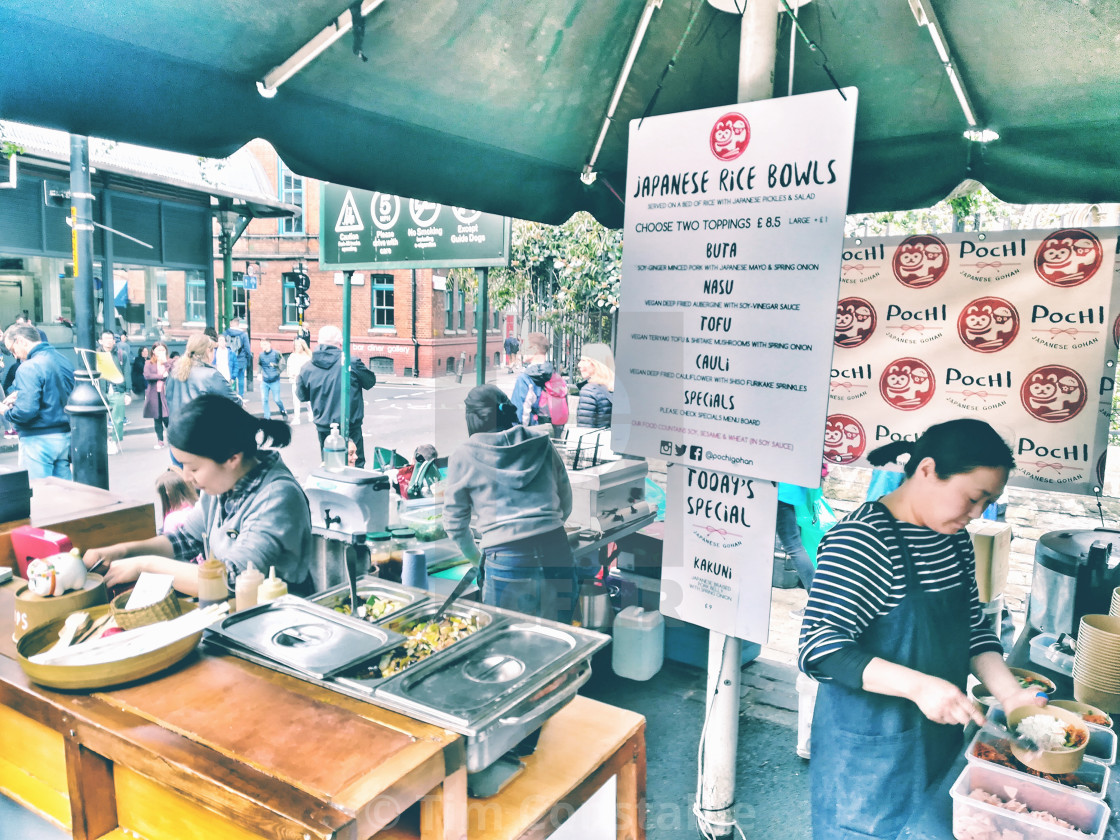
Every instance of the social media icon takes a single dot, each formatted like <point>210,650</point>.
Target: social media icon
<point>666,447</point>
<point>696,453</point>
<point>680,449</point>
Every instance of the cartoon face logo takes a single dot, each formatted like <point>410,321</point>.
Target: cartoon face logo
<point>1068,257</point>
<point>907,384</point>
<point>730,136</point>
<point>988,324</point>
<point>1053,393</point>
<point>920,261</point>
<point>844,439</point>
<point>855,322</point>
<point>1116,331</point>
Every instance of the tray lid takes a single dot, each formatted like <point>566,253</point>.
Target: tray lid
<point>306,637</point>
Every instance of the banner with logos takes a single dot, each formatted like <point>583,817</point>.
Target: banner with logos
<point>1018,328</point>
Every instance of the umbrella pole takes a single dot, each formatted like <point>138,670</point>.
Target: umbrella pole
<point>344,426</point>
<point>720,737</point>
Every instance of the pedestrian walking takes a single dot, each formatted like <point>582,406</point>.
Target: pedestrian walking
<point>113,387</point>
<point>240,354</point>
<point>156,371</point>
<point>139,384</point>
<point>512,347</point>
<point>270,363</point>
<point>300,355</point>
<point>596,366</point>
<point>36,404</point>
<point>194,374</point>
<point>320,383</point>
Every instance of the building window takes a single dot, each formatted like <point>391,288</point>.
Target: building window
<point>381,301</point>
<point>449,305</point>
<point>291,192</point>
<point>159,311</point>
<point>289,313</point>
<point>196,297</point>
<point>240,310</point>
<point>494,320</point>
<point>462,308</point>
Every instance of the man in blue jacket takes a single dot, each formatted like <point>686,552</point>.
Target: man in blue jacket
<point>240,356</point>
<point>36,403</point>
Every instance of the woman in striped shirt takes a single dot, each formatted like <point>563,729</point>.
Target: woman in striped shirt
<point>891,630</point>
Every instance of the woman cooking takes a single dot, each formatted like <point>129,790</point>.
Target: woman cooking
<point>251,508</point>
<point>891,629</point>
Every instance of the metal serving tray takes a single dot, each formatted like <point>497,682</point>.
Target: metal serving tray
<point>369,585</point>
<point>307,638</point>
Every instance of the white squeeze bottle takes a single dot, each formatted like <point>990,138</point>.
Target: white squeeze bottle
<point>245,589</point>
<point>272,588</point>
<point>334,450</point>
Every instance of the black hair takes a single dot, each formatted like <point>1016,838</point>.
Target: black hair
<point>957,446</point>
<point>489,410</point>
<point>215,427</point>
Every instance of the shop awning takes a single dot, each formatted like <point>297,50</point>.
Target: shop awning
<point>498,104</point>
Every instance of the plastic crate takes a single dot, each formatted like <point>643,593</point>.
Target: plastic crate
<point>1095,776</point>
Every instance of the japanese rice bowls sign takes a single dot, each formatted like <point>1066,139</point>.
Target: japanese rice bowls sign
<point>1096,664</point>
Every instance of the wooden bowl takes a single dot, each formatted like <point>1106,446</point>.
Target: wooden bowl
<point>1050,761</point>
<point>80,677</point>
<point>1083,709</point>
<point>33,610</point>
<point>979,691</point>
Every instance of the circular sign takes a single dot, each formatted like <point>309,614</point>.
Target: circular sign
<point>1053,393</point>
<point>730,136</point>
<point>920,261</point>
<point>855,322</point>
<point>844,439</point>
<point>907,384</point>
<point>423,213</point>
<point>988,324</point>
<point>1068,257</point>
<point>466,216</point>
<point>385,209</point>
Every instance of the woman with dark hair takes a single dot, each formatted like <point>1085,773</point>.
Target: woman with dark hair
<point>511,477</point>
<point>251,509</point>
<point>156,370</point>
<point>891,630</point>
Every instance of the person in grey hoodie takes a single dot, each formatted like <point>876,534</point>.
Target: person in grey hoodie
<point>512,478</point>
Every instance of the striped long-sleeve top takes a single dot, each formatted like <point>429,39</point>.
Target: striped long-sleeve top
<point>860,576</point>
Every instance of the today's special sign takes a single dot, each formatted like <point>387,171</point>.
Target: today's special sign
<point>734,225</point>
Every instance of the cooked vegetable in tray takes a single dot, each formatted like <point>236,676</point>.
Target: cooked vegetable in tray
<point>377,607</point>
<point>999,753</point>
<point>424,638</point>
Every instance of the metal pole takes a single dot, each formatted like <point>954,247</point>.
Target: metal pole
<point>347,276</point>
<point>227,282</point>
<point>89,446</point>
<point>81,219</point>
<point>480,324</point>
<point>757,52</point>
<point>415,340</point>
<point>108,280</point>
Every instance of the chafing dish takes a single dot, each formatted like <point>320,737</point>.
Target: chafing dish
<point>368,585</point>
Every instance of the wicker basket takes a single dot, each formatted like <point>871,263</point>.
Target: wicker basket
<point>164,610</point>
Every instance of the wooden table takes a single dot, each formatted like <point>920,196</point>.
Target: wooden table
<point>89,516</point>
<point>220,748</point>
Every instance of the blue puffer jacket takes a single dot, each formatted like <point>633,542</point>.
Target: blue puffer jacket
<point>594,409</point>
<point>42,384</point>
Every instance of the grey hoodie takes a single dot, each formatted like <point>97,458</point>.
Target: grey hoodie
<point>514,480</point>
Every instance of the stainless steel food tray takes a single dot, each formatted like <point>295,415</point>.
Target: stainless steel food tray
<point>307,638</point>
<point>369,585</point>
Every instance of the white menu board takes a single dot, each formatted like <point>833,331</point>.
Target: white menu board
<point>719,551</point>
<point>734,228</point>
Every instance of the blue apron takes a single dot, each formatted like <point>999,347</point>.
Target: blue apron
<point>874,757</point>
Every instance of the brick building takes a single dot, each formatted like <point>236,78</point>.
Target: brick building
<point>381,325</point>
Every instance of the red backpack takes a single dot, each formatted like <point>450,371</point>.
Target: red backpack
<point>553,404</point>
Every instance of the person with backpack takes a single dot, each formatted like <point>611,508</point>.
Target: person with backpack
<point>270,363</point>
<point>540,394</point>
<point>512,347</point>
<point>240,355</point>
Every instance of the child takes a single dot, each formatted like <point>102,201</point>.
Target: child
<point>176,498</point>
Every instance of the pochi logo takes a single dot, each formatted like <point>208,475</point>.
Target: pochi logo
<point>1053,393</point>
<point>1068,257</point>
<point>1116,331</point>
<point>855,322</point>
<point>920,261</point>
<point>988,324</point>
<point>730,136</point>
<point>844,439</point>
<point>907,384</point>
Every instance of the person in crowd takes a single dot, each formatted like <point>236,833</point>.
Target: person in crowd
<point>300,355</point>
<point>177,499</point>
<point>36,404</point>
<point>240,354</point>
<point>539,393</point>
<point>212,333</point>
<point>788,532</point>
<point>511,476</point>
<point>884,481</point>
<point>156,371</point>
<point>123,352</point>
<point>892,627</point>
<point>139,384</point>
<point>270,363</point>
<point>596,367</point>
<point>113,386</point>
<point>320,383</point>
<point>223,361</point>
<point>251,509</point>
<point>192,375</point>
<point>512,347</point>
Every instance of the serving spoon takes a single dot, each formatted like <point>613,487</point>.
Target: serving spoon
<point>461,587</point>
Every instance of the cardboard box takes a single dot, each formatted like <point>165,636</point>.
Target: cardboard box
<point>991,541</point>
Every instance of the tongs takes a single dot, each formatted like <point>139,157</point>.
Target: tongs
<point>357,608</point>
<point>459,589</point>
<point>1024,743</point>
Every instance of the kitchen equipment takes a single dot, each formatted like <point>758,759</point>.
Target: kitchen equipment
<point>972,817</point>
<point>1096,663</point>
<point>594,605</point>
<point>638,650</point>
<point>997,726</point>
<point>1075,573</point>
<point>1042,759</point>
<point>346,504</point>
<point>29,543</point>
<point>609,495</point>
<point>1045,652</point>
<point>305,637</point>
<point>459,589</point>
<point>397,596</point>
<point>15,495</point>
<point>33,610</point>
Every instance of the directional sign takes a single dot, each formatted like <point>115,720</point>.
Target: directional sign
<point>359,229</point>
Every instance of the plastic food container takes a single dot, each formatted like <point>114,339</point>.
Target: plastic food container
<point>427,522</point>
<point>1092,777</point>
<point>1102,744</point>
<point>639,643</point>
<point>973,818</point>
<point>1045,653</point>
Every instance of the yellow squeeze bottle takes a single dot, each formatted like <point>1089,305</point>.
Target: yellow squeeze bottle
<point>246,587</point>
<point>272,588</point>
